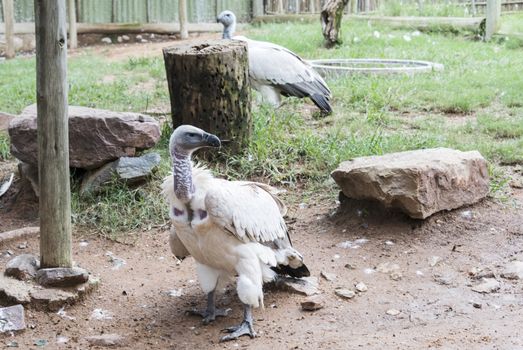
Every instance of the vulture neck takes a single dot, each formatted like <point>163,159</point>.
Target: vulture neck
<point>182,174</point>
<point>228,31</point>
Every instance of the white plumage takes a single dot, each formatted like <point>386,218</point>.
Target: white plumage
<point>231,228</point>
<point>275,70</point>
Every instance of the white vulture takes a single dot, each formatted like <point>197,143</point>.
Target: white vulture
<point>231,228</point>
<point>275,70</point>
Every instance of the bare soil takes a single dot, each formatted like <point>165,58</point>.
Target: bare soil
<point>437,307</point>
<point>147,296</point>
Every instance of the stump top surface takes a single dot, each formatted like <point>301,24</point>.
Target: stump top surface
<point>205,47</point>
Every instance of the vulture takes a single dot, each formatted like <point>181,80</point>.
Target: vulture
<point>275,70</point>
<point>233,229</point>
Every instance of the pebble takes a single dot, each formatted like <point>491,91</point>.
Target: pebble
<point>22,245</point>
<point>138,37</point>
<point>396,275</point>
<point>488,285</point>
<point>361,287</point>
<point>345,293</point>
<point>513,270</point>
<point>126,37</point>
<point>313,303</point>
<point>387,267</point>
<point>107,40</point>
<point>106,340</point>
<point>12,318</point>
<point>101,314</point>
<point>328,276</point>
<point>393,312</point>
<point>175,293</point>
<point>389,243</point>
<point>434,260</point>
<point>119,39</point>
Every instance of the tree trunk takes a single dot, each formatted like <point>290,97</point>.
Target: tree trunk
<point>209,88</point>
<point>331,15</point>
<point>9,19</point>
<point>53,133</point>
<point>73,37</point>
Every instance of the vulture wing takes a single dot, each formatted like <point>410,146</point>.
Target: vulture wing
<point>247,210</point>
<point>274,65</point>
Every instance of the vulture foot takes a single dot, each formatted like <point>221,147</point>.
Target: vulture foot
<point>245,328</point>
<point>209,316</point>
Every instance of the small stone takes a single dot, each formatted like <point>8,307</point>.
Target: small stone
<point>138,37</point>
<point>481,272</point>
<point>477,305</point>
<point>40,342</point>
<point>393,312</point>
<point>361,287</point>
<point>328,276</point>
<point>12,318</point>
<point>467,214</point>
<point>119,39</point>
<point>22,267</point>
<point>106,340</point>
<point>445,280</point>
<point>350,266</point>
<point>513,270</point>
<point>305,285</point>
<point>143,41</point>
<point>396,275</point>
<point>152,36</point>
<point>434,260</point>
<point>22,245</point>
<point>387,267</point>
<point>313,303</point>
<point>345,293</point>
<point>488,285</point>
<point>126,37</point>
<point>61,277</point>
<point>106,40</point>
<point>101,314</point>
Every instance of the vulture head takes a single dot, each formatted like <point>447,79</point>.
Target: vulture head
<point>187,138</point>
<point>228,19</point>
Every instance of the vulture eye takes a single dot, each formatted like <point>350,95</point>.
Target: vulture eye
<point>191,134</point>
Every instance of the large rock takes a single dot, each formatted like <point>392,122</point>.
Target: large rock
<point>96,136</point>
<point>420,183</point>
<point>5,119</point>
<point>22,267</point>
<point>131,170</point>
<point>61,276</point>
<point>12,318</point>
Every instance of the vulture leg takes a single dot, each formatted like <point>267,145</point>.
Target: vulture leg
<point>244,328</point>
<point>211,312</point>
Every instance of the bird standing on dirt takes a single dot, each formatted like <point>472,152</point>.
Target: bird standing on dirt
<point>275,70</point>
<point>231,228</point>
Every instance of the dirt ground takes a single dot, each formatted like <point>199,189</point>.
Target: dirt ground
<point>145,292</point>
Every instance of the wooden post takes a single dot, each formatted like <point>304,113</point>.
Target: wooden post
<point>331,15</point>
<point>312,6</point>
<point>182,13</point>
<point>209,88</point>
<point>53,133</point>
<point>73,38</point>
<point>493,14</point>
<point>9,21</point>
<point>473,8</point>
<point>296,6</point>
<point>257,8</point>
<point>280,7</point>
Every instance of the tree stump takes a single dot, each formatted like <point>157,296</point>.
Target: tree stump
<point>331,15</point>
<point>209,88</point>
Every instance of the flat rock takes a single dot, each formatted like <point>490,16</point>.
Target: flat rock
<point>393,312</point>
<point>12,318</point>
<point>344,293</point>
<point>487,285</point>
<point>361,287</point>
<point>106,340</point>
<point>305,285</point>
<point>131,170</point>
<point>420,183</point>
<point>22,267</point>
<point>61,277</point>
<point>13,291</point>
<point>313,303</point>
<point>328,276</point>
<point>96,136</point>
<point>5,119</point>
<point>29,231</point>
<point>513,270</point>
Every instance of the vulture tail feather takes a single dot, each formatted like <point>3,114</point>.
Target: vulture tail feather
<point>318,93</point>
<point>299,272</point>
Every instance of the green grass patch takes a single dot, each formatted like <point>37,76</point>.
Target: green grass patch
<point>4,146</point>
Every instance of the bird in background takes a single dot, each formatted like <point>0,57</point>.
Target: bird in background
<point>275,70</point>
<point>233,230</point>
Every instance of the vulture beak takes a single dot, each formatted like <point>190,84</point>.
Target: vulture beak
<point>211,140</point>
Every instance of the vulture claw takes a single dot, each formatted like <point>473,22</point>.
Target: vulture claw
<point>245,328</point>
<point>209,316</point>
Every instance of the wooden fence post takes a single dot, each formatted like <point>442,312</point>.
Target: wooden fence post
<point>331,16</point>
<point>73,38</point>
<point>53,133</point>
<point>9,21</point>
<point>182,13</point>
<point>493,15</point>
<point>219,97</point>
<point>257,8</point>
<point>279,6</point>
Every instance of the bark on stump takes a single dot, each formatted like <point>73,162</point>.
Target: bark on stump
<point>331,15</point>
<point>209,88</point>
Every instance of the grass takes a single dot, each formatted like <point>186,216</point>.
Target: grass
<point>434,9</point>
<point>4,146</point>
<point>474,104</point>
